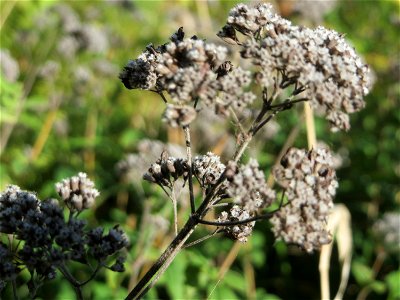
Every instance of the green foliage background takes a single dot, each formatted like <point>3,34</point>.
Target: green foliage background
<point>62,125</point>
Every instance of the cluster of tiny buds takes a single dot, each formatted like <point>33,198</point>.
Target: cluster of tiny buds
<point>78,192</point>
<point>247,186</point>
<point>208,169</point>
<point>310,184</point>
<point>49,240</point>
<point>189,70</point>
<point>237,232</point>
<point>179,115</point>
<point>166,170</point>
<point>333,76</point>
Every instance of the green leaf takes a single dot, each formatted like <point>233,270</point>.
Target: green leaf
<point>393,283</point>
<point>10,97</point>
<point>221,292</point>
<point>235,280</point>
<point>362,273</point>
<point>175,277</point>
<point>378,287</point>
<point>129,137</point>
<point>262,294</point>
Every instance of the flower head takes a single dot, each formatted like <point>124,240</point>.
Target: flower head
<point>310,184</point>
<point>78,192</point>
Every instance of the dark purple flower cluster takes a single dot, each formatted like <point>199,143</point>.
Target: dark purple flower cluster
<point>46,240</point>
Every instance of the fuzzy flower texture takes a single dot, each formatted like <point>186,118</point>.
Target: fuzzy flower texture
<point>189,70</point>
<point>310,185</point>
<point>320,61</point>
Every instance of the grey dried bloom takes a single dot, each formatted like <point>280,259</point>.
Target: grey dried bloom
<point>166,170</point>
<point>50,69</point>
<point>67,47</point>
<point>186,68</point>
<point>78,192</point>
<point>9,66</point>
<point>248,188</point>
<point>105,68</point>
<point>387,230</point>
<point>237,232</point>
<point>310,184</point>
<point>333,75</point>
<point>141,73</point>
<point>249,20</point>
<point>179,115</point>
<point>134,165</point>
<point>208,169</point>
<point>314,10</point>
<point>92,39</point>
<point>231,85</point>
<point>82,74</point>
<point>69,19</point>
<point>190,70</point>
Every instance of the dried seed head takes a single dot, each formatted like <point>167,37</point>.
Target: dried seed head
<point>208,169</point>
<point>310,184</point>
<point>248,188</point>
<point>78,192</point>
<point>179,115</point>
<point>166,170</point>
<point>237,232</point>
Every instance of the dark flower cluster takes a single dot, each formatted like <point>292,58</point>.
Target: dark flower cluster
<point>333,76</point>
<point>310,184</point>
<point>42,240</point>
<point>166,170</point>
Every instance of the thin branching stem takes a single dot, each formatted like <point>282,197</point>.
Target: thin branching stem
<point>238,222</point>
<point>14,289</point>
<point>202,239</point>
<point>186,129</point>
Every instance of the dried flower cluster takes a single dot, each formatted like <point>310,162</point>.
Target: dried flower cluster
<point>179,115</point>
<point>208,169</point>
<point>9,67</point>
<point>189,70</point>
<point>78,192</point>
<point>78,35</point>
<point>46,241</point>
<point>387,231</point>
<point>166,170</point>
<point>320,60</point>
<point>310,184</point>
<point>237,232</point>
<point>286,64</point>
<point>248,188</point>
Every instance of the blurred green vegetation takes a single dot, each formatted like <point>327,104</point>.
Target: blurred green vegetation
<point>67,113</point>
